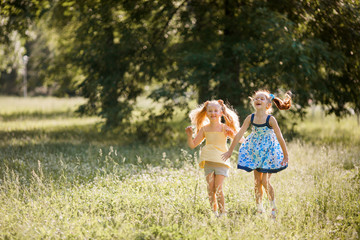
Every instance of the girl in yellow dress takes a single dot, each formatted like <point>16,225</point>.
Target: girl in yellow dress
<point>207,120</point>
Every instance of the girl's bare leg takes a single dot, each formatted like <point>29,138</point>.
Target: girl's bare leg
<point>270,192</point>
<point>219,179</point>
<point>210,179</point>
<point>258,186</point>
<point>265,181</point>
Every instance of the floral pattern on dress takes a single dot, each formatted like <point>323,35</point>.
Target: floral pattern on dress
<point>261,151</point>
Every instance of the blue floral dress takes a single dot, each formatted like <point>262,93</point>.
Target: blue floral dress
<point>261,150</point>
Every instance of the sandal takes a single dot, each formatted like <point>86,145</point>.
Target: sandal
<point>222,214</point>
<point>273,213</point>
<point>216,214</point>
<point>260,210</point>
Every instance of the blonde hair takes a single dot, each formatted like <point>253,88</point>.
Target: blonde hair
<point>279,103</point>
<point>199,119</point>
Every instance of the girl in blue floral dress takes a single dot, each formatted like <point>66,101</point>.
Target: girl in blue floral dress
<point>264,150</point>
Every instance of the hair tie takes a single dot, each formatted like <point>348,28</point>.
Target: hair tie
<point>272,96</point>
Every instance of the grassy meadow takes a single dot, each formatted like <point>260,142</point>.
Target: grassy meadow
<point>61,178</point>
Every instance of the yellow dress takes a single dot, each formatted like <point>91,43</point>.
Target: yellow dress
<point>214,148</point>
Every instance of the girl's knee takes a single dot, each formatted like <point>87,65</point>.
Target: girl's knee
<point>266,183</point>
<point>218,188</point>
<point>211,189</point>
<point>219,193</point>
<point>258,182</point>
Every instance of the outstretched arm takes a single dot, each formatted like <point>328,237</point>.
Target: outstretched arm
<point>237,138</point>
<point>275,126</point>
<point>198,138</point>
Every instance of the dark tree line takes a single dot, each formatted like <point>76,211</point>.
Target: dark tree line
<point>108,51</point>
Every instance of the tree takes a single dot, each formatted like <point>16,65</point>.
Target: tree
<point>99,41</point>
<point>228,49</point>
<point>16,18</point>
<point>336,24</point>
<point>205,49</point>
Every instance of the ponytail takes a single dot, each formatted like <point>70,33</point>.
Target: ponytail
<point>230,116</point>
<point>198,116</point>
<point>283,104</point>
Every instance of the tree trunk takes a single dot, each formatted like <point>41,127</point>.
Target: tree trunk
<point>230,65</point>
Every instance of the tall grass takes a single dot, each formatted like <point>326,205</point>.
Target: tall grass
<point>320,129</point>
<point>67,180</point>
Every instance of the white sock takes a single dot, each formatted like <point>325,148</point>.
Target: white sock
<point>273,205</point>
<point>260,207</point>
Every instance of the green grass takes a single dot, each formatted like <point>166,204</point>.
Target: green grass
<point>38,104</point>
<point>320,129</point>
<point>61,178</point>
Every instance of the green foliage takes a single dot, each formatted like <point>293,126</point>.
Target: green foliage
<point>192,50</point>
<point>103,49</point>
<point>227,49</point>
<point>18,16</point>
<point>339,77</point>
<point>24,32</point>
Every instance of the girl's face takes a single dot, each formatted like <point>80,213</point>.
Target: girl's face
<point>213,111</point>
<point>261,101</point>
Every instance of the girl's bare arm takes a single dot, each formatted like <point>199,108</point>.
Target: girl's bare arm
<point>280,138</point>
<point>193,142</point>
<point>237,138</point>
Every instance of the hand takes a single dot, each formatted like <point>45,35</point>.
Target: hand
<point>189,131</point>
<point>285,160</point>
<point>225,156</point>
<point>229,132</point>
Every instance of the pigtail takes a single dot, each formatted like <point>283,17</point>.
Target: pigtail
<point>283,104</point>
<point>230,116</point>
<point>198,116</point>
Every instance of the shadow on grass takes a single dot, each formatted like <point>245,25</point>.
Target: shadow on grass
<point>88,133</point>
<point>80,153</point>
